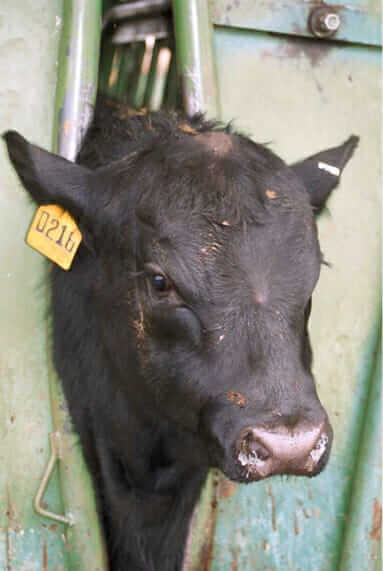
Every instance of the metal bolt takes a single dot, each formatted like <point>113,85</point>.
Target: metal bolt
<point>324,22</point>
<point>330,22</point>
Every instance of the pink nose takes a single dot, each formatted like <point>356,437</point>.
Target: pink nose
<point>302,450</point>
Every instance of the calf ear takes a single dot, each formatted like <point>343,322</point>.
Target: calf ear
<point>48,178</point>
<point>321,173</point>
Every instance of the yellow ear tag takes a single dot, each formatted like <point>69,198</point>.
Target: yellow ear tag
<point>55,235</point>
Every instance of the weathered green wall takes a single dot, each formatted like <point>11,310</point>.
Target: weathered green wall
<point>29,39</point>
<point>48,53</point>
<point>302,95</point>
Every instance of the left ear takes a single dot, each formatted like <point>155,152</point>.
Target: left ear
<point>321,173</point>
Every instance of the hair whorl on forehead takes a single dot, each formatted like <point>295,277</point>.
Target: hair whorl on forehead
<point>219,142</point>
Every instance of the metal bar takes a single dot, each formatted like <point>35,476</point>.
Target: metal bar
<point>124,87</point>
<point>125,70</point>
<point>195,57</point>
<point>78,68</point>
<point>139,30</point>
<point>145,67</point>
<point>361,542</point>
<point>135,10</point>
<point>171,91</point>
<point>75,96</point>
<point>159,83</point>
<point>107,57</point>
<point>152,73</point>
<point>114,73</point>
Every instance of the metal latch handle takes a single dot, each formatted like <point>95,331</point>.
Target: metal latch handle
<point>55,440</point>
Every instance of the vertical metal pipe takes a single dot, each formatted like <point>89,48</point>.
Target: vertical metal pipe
<point>145,67</point>
<point>152,72</point>
<point>75,97</point>
<point>77,74</point>
<point>171,91</point>
<point>107,57</point>
<point>195,57</point>
<point>161,75</point>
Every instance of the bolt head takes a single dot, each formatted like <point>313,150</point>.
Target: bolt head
<point>324,22</point>
<point>331,22</point>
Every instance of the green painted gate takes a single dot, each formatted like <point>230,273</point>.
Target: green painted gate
<point>260,65</point>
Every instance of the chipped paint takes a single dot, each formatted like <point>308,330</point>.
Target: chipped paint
<point>296,526</point>
<point>234,558</point>
<point>376,527</point>
<point>45,557</point>
<point>273,508</point>
<point>226,489</point>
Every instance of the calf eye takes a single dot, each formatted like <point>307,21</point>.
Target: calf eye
<point>160,283</point>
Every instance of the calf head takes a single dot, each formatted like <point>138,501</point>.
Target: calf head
<point>202,256</point>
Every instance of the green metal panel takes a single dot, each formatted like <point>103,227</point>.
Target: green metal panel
<point>29,37</point>
<point>360,20</point>
<point>30,44</point>
<point>303,96</point>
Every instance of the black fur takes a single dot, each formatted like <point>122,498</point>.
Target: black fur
<point>147,372</point>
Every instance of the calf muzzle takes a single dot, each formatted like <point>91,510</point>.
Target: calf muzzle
<point>302,450</point>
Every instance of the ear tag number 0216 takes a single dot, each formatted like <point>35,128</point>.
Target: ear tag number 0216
<point>55,235</point>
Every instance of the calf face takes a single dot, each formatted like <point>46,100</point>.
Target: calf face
<point>206,257</point>
<point>187,308</point>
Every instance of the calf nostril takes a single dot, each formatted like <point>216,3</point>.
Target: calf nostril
<point>254,447</point>
<point>252,453</point>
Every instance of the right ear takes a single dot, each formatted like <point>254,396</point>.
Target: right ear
<point>321,173</point>
<point>48,178</point>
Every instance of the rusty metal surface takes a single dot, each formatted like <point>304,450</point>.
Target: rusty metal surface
<point>360,20</point>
